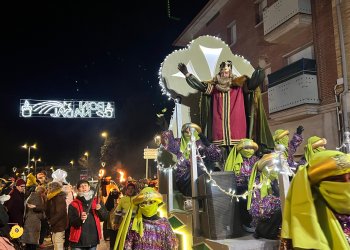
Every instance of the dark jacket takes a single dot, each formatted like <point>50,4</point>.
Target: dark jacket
<point>33,217</point>
<point>110,202</point>
<point>89,236</point>
<point>56,212</point>
<point>15,207</point>
<point>4,219</point>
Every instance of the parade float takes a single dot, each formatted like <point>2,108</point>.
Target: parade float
<point>208,218</point>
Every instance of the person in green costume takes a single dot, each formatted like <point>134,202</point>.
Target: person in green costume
<point>181,150</point>
<point>241,160</point>
<point>317,208</point>
<point>281,137</point>
<point>264,203</point>
<point>146,231</point>
<point>314,144</point>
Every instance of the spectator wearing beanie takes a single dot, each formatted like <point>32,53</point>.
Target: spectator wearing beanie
<point>56,213</point>
<point>15,205</point>
<point>85,227</point>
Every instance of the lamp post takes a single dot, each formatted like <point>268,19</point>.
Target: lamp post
<point>35,161</point>
<point>86,154</point>
<point>26,146</point>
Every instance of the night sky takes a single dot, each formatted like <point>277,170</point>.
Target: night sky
<point>85,50</point>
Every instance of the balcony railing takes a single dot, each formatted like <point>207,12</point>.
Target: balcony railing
<point>293,85</point>
<point>302,66</point>
<point>286,18</point>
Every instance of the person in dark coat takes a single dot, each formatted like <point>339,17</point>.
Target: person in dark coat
<point>4,218</point>
<point>56,212</point>
<point>34,213</point>
<point>15,205</point>
<point>84,221</point>
<point>108,226</point>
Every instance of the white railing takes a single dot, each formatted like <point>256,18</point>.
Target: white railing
<point>283,10</point>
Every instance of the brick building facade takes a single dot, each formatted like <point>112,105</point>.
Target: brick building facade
<point>300,42</point>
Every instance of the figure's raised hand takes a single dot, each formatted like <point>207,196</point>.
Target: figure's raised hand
<point>300,130</point>
<point>262,61</point>
<point>182,67</point>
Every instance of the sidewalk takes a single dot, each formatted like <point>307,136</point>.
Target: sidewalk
<point>104,245</point>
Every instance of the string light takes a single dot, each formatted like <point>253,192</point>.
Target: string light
<point>160,77</point>
<point>169,13</point>
<point>164,91</point>
<point>231,192</point>
<point>66,109</point>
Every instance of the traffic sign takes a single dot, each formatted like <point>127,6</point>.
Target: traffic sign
<point>150,153</point>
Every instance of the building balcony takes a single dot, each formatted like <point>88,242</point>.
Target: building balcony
<point>293,85</point>
<point>286,19</point>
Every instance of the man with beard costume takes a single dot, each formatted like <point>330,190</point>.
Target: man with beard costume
<point>85,227</point>
<point>228,103</point>
<point>147,231</point>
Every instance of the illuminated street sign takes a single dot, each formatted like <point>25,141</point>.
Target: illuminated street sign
<point>66,109</point>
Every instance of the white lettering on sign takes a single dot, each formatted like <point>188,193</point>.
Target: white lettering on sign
<point>66,109</point>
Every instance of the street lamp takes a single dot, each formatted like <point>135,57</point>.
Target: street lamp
<point>35,161</point>
<point>26,146</point>
<point>72,162</point>
<point>87,158</point>
<point>104,134</point>
<point>27,167</point>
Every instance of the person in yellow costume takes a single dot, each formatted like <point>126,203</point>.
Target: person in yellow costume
<point>264,202</point>
<point>317,209</point>
<point>314,144</point>
<point>125,203</point>
<point>281,136</point>
<point>147,231</point>
<point>241,161</point>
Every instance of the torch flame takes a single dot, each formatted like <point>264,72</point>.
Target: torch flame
<point>122,174</point>
<point>101,173</point>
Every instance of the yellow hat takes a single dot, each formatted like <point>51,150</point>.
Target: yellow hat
<point>269,161</point>
<point>328,163</point>
<point>31,180</point>
<point>279,133</point>
<point>191,125</point>
<point>148,194</point>
<point>247,144</point>
<point>320,143</point>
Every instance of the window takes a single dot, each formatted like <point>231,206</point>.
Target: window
<point>260,6</point>
<point>305,53</point>
<point>232,33</point>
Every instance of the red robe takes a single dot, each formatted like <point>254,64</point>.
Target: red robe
<point>229,119</point>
